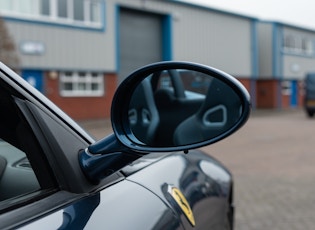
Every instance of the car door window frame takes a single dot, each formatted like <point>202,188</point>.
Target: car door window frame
<point>18,133</point>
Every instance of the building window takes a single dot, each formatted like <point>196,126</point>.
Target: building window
<point>45,7</point>
<point>63,9</point>
<point>289,43</point>
<point>298,45</point>
<point>79,10</point>
<point>307,46</point>
<point>286,87</point>
<point>72,12</point>
<point>78,84</point>
<point>94,13</point>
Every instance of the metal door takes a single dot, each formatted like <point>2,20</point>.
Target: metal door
<point>34,77</point>
<point>294,94</point>
<point>140,40</point>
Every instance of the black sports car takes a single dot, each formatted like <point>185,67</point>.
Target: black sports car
<point>146,175</point>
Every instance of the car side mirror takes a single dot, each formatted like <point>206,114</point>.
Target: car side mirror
<point>171,106</point>
<point>164,107</point>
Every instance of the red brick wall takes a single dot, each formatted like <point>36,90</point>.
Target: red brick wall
<point>81,108</point>
<point>286,101</point>
<point>266,93</point>
<point>246,83</point>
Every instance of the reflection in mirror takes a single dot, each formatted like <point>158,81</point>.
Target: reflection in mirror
<point>180,107</point>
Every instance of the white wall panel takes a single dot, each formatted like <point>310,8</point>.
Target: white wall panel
<point>199,34</point>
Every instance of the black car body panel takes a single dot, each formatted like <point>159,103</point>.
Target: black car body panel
<point>203,181</point>
<point>99,211</point>
<point>309,97</point>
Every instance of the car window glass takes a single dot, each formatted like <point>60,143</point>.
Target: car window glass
<point>18,151</point>
<point>16,174</point>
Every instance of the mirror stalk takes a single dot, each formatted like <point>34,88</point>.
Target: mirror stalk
<point>105,157</point>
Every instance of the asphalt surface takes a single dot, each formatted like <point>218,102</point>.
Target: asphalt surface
<point>272,159</point>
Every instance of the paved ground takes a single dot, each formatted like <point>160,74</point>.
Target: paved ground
<point>272,159</point>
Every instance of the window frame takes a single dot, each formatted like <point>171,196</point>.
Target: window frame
<point>25,141</point>
<point>286,87</point>
<point>299,45</point>
<point>14,10</point>
<point>79,80</point>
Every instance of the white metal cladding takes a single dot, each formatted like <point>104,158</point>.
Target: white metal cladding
<point>202,35</point>
<point>221,41</point>
<point>265,58</point>
<point>65,48</point>
<point>296,67</point>
<point>297,63</point>
<point>278,58</point>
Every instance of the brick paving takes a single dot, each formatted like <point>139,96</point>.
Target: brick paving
<point>272,159</point>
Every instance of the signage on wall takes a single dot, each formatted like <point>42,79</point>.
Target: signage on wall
<point>32,47</point>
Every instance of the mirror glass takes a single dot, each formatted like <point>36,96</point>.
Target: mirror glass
<point>178,107</point>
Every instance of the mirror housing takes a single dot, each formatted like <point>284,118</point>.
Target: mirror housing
<point>224,89</point>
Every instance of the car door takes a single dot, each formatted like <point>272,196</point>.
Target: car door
<point>30,184</point>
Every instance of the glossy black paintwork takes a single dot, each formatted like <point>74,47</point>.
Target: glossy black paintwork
<point>143,203</point>
<point>137,208</point>
<point>206,195</point>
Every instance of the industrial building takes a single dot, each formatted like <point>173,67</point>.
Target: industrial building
<point>286,54</point>
<point>77,51</point>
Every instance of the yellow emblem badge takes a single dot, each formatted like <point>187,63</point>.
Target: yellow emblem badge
<point>182,203</point>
